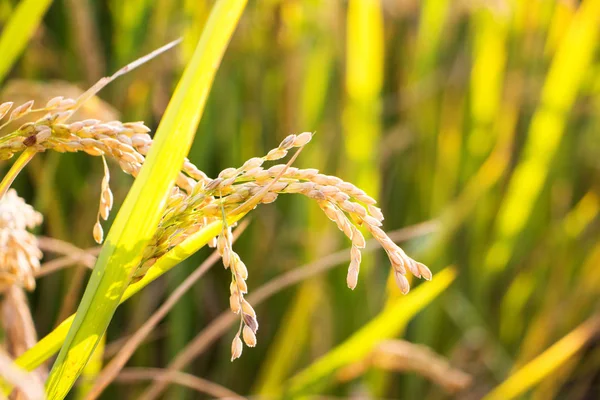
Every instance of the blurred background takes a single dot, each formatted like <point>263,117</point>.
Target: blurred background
<point>478,118</point>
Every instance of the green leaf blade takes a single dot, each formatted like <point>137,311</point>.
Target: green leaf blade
<point>20,28</point>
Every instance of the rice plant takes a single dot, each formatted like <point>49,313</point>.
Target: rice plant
<point>473,123</point>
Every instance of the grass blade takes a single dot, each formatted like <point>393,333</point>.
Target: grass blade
<point>385,326</point>
<point>546,363</point>
<point>138,217</point>
<point>490,34</point>
<point>364,77</point>
<point>20,28</point>
<point>17,167</point>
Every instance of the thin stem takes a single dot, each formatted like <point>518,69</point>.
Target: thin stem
<point>10,176</point>
<point>181,378</point>
<point>57,264</point>
<point>27,382</point>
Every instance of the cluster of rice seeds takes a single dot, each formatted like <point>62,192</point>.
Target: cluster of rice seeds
<point>400,261</point>
<point>24,137</point>
<point>224,183</point>
<point>341,202</point>
<point>203,199</point>
<point>127,143</point>
<point>229,176</point>
<point>238,288</point>
<point>19,252</point>
<point>56,103</point>
<point>344,203</point>
<point>106,203</point>
<point>121,141</point>
<point>197,203</point>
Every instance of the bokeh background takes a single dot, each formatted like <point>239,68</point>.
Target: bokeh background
<point>479,118</point>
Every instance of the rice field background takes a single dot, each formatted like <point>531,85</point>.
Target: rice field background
<point>475,124</point>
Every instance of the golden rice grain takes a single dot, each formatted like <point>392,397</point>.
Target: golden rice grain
<point>19,252</point>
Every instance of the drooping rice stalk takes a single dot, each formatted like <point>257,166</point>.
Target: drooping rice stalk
<point>198,201</point>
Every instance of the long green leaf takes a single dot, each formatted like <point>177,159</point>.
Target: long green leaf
<point>20,28</point>
<point>138,218</point>
<point>385,326</point>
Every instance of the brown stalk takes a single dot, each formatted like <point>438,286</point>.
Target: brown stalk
<point>19,329</point>
<point>403,356</point>
<point>180,378</point>
<point>28,383</point>
<point>18,323</point>
<point>66,261</point>
<point>116,345</point>
<point>111,371</point>
<point>72,296</point>
<point>219,326</point>
<point>62,247</point>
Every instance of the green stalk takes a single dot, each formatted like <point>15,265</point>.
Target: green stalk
<point>15,169</point>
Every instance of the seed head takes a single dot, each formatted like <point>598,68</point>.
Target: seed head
<point>19,252</point>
